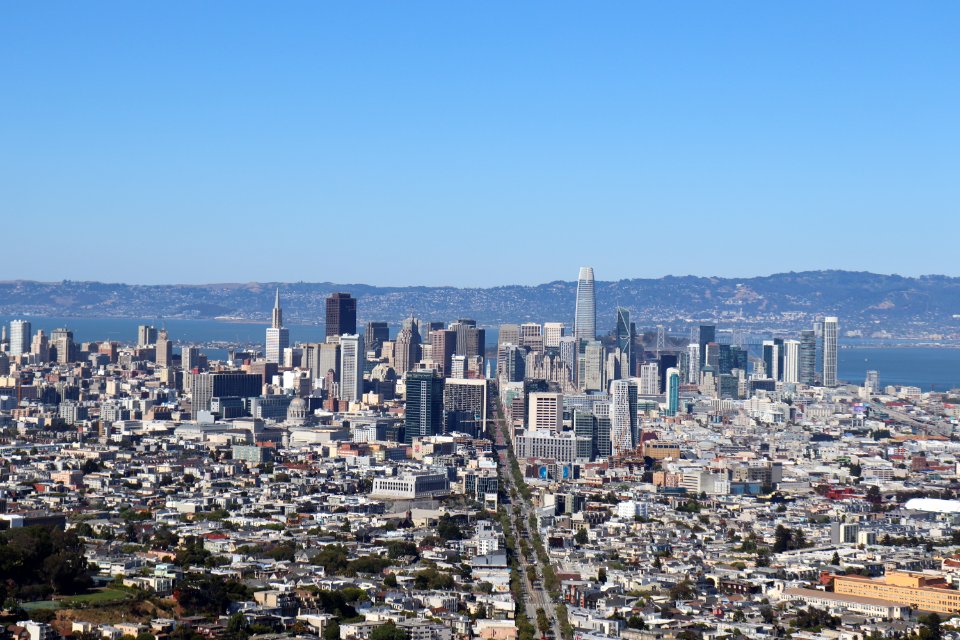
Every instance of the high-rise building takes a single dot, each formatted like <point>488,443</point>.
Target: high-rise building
<point>471,340</point>
<point>20,333</point>
<point>791,361</point>
<point>40,346</point>
<point>872,382</point>
<point>590,365</point>
<point>623,416</point>
<point>509,334</point>
<point>444,345</point>
<point>278,336</point>
<point>650,379</point>
<point>808,357</point>
<point>511,364</point>
<point>465,406</point>
<point>708,334</point>
<point>341,314</point>
<point>830,330</point>
<point>406,350</point>
<point>146,335</point>
<point>234,384</point>
<point>771,359</point>
<point>376,334</point>
<point>424,405</point>
<point>673,391</point>
<point>585,320</point>
<point>531,336</point>
<point>693,363</point>
<point>552,332</point>
<point>164,349</point>
<point>625,333</point>
<point>545,411</point>
<point>189,358</point>
<point>329,360</point>
<point>569,350</point>
<point>62,341</point>
<point>352,357</point>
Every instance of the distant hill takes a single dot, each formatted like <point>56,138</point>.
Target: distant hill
<point>865,301</point>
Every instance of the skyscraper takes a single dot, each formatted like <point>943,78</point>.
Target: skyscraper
<point>531,336</point>
<point>471,341</point>
<point>146,335</point>
<point>623,416</point>
<point>352,357</point>
<point>40,346</point>
<point>625,333</point>
<point>20,332</point>
<point>771,359</point>
<point>444,345</point>
<point>376,334</point>
<point>406,349</point>
<point>808,356</point>
<point>424,405</point>
<point>693,363</point>
<point>62,341</point>
<point>278,336</point>
<point>341,314</point>
<point>590,361</point>
<point>585,320</point>
<point>708,334</point>
<point>189,358</point>
<point>552,332</point>
<point>164,349</point>
<point>791,361</point>
<point>830,329</point>
<point>673,391</point>
<point>545,411</point>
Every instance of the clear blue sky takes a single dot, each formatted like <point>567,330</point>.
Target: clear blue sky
<point>477,143</point>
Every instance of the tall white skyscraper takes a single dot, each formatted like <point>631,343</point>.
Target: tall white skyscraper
<point>20,332</point>
<point>278,337</point>
<point>693,363</point>
<point>650,379</point>
<point>791,361</point>
<point>830,329</point>
<point>623,416</point>
<point>552,332</point>
<point>351,367</point>
<point>585,321</point>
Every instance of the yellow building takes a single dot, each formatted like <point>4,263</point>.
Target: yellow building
<point>918,590</point>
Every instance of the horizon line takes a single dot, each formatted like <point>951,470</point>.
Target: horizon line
<point>273,283</point>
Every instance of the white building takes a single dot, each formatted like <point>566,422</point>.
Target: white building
<point>351,367</point>
<point>830,329</point>
<point>411,486</point>
<point>546,411</point>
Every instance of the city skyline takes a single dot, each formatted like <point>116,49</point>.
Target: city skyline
<point>650,119</point>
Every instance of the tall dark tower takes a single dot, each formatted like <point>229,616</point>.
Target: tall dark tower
<point>341,314</point>
<point>424,410</point>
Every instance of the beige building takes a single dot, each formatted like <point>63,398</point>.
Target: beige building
<point>918,590</point>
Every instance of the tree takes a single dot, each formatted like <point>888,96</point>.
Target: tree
<point>602,575</point>
<point>581,536</point>
<point>389,631</point>
<point>930,627</point>
<point>332,631</point>
<point>636,622</point>
<point>390,581</point>
<point>682,591</point>
<point>448,529</point>
<point>543,624</point>
<point>835,559</point>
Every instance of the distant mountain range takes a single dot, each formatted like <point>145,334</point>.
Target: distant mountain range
<point>868,302</point>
